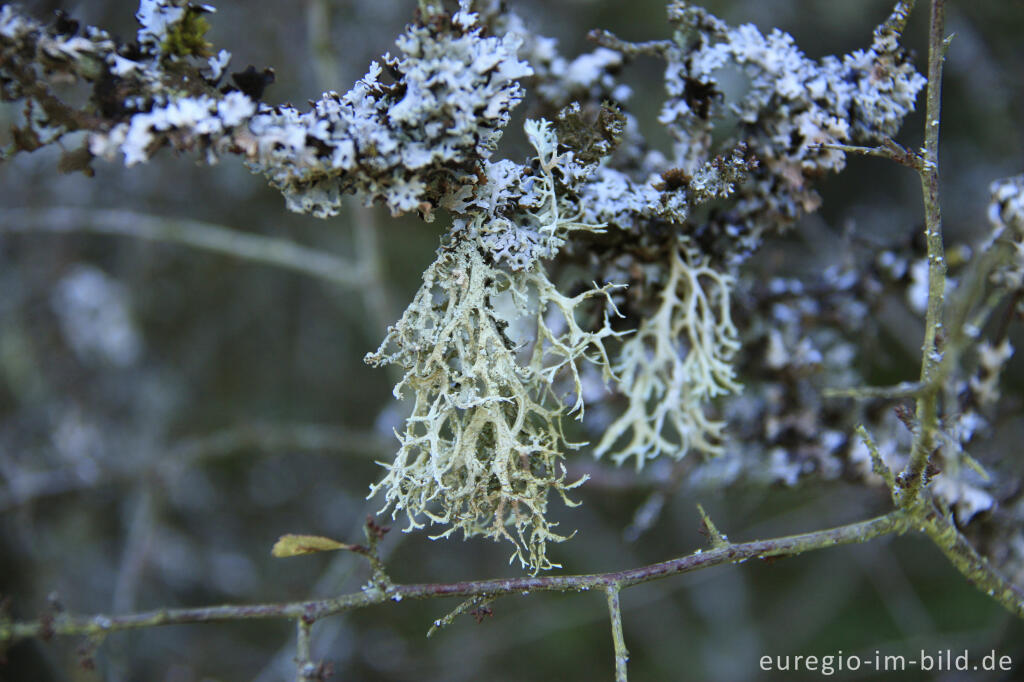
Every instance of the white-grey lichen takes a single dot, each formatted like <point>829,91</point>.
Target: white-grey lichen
<point>406,138</point>
<point>1006,214</point>
<point>184,117</point>
<point>793,108</point>
<point>405,142</point>
<point>679,359</point>
<point>95,317</point>
<point>493,353</point>
<point>483,448</point>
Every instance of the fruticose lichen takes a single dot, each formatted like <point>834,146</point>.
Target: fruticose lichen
<point>678,360</point>
<point>493,352</point>
<point>484,444</point>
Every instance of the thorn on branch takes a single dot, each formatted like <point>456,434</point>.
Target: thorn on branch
<point>481,612</point>
<point>906,417</point>
<point>709,530</point>
<point>878,464</point>
<point>946,43</point>
<point>478,607</point>
<point>86,651</point>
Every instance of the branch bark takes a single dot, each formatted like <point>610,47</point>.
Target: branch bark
<point>200,235</point>
<point>102,625</point>
<point>931,351</point>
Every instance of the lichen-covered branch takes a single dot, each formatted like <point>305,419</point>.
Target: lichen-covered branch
<point>407,143</point>
<point>923,499</point>
<point>600,280</point>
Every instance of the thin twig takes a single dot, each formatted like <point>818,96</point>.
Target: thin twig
<point>305,669</point>
<point>474,603</point>
<point>718,539</point>
<point>647,514</point>
<point>618,639</point>
<point>935,366</point>
<point>376,299</point>
<point>608,39</point>
<point>906,389</point>
<point>976,568</point>
<point>321,48</point>
<point>274,438</point>
<point>877,463</point>
<point>197,234</point>
<point>66,624</point>
<point>889,150</point>
<point>27,487</point>
<point>931,356</point>
<point>144,512</point>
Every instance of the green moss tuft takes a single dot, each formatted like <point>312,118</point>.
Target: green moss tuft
<point>188,36</point>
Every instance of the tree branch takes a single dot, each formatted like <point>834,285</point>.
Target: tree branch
<point>280,253</point>
<point>905,389</point>
<point>66,624</point>
<point>921,511</point>
<point>26,487</point>
<point>931,356</point>
<point>306,669</point>
<point>976,568</point>
<point>619,641</point>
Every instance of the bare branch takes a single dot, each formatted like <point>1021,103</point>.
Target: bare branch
<point>615,615</point>
<point>29,486</point>
<point>888,150</point>
<point>305,668</point>
<point>66,624</point>
<point>906,389</point>
<point>197,234</point>
<point>931,354</point>
<point>613,42</point>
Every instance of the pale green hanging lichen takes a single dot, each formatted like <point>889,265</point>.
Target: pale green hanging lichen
<point>677,361</point>
<point>484,444</point>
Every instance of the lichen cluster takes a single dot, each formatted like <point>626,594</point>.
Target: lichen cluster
<point>677,361</point>
<point>792,108</point>
<point>494,351</point>
<point>1006,214</point>
<point>484,444</point>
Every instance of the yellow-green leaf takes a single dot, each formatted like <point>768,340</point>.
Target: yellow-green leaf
<point>294,545</point>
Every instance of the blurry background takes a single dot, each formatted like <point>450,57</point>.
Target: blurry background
<point>166,414</point>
